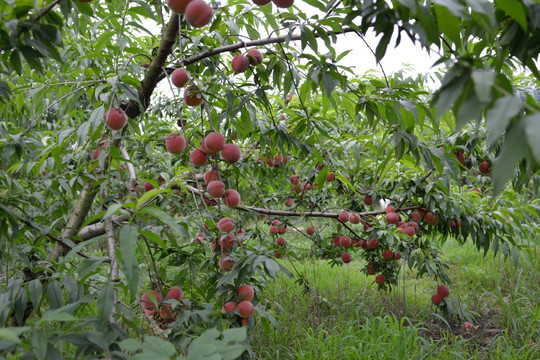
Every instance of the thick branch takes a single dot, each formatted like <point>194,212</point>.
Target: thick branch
<point>152,77</point>
<point>155,74</point>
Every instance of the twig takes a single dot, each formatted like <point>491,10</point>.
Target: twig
<point>111,240</point>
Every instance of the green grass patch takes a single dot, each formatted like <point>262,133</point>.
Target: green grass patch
<point>343,316</point>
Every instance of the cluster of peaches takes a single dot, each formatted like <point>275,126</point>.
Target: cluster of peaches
<point>167,311</point>
<point>244,308</point>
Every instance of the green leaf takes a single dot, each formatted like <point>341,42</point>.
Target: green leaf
<point>130,266</point>
<point>516,10</point>
<point>448,24</point>
<point>105,302</point>
<point>512,151</point>
<point>499,116</point>
<point>9,335</point>
<point>36,290</point>
<point>58,316</point>
<point>54,295</point>
<point>532,130</point>
<point>483,82</point>
<point>328,83</point>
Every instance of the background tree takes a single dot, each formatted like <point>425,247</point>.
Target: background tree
<point>106,181</point>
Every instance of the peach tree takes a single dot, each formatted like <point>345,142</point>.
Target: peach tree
<point>161,160</point>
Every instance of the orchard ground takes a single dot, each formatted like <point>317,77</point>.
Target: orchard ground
<point>346,317</point>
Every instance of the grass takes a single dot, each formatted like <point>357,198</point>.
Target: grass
<point>345,317</point>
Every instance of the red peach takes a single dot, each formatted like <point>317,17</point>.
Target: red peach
<point>310,230</point>
<point>198,157</point>
<point>280,241</point>
<point>147,186</point>
<point>179,77</point>
<point>226,225</point>
<point>214,142</point>
<point>115,119</point>
<point>388,254</point>
<point>146,300</point>
<point>231,198</point>
<point>175,293</point>
<point>390,209</point>
<point>261,2</point>
<point>192,96</point>
<point>409,230</point>
<point>392,218</point>
<point>178,6</point>
<point>330,177</point>
<point>346,258</point>
<point>344,216</point>
<point>397,256</point>
<point>443,291</point>
<point>289,202</point>
<point>368,200</point>
<point>216,189</point>
<point>231,153</point>
<point>228,307</point>
<point>485,167</point>
<point>380,279</point>
<point>245,293</point>
<point>198,13</point>
<point>455,223</point>
<point>436,299</point>
<point>283,3</point>
<point>225,264</point>
<point>210,176</point>
<point>255,57</point>
<point>354,218</point>
<point>246,309</point>
<point>240,63</point>
<point>345,241</point>
<point>274,230</point>
<point>175,143</point>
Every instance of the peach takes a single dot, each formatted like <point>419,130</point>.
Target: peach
<point>289,202</point>
<point>226,225</point>
<point>371,270</point>
<point>214,142</point>
<point>390,209</point>
<point>295,180</point>
<point>231,153</point>
<point>345,241</point>
<point>228,307</point>
<point>354,218</point>
<point>310,230</point>
<point>388,254</point>
<point>147,186</point>
<point>175,293</point>
<point>277,255</point>
<point>193,96</point>
<point>231,198</point>
<point>274,230</point>
<point>443,291</point>
<point>115,119</point>
<point>95,154</point>
<point>436,299</point>
<point>431,218</point>
<point>373,244</point>
<point>397,256</point>
<point>346,258</point>
<point>343,216</point>
<point>335,241</point>
<point>216,189</point>
<point>261,2</point>
<point>245,292</point>
<point>392,218</point>
<point>280,241</point>
<point>175,143</point>
<point>240,63</point>
<point>380,279</point>
<point>178,6</point>
<point>368,200</point>
<point>166,312</point>
<point>225,264</point>
<point>330,177</point>
<point>179,77</point>
<point>414,225</point>
<point>455,223</point>
<point>409,230</point>
<point>246,308</point>
<point>198,157</point>
<point>485,167</point>
<point>227,242</point>
<point>276,222</point>
<point>146,300</point>
<point>210,176</point>
<point>282,230</point>
<point>416,215</point>
<point>198,13</point>
<point>283,3</point>
<point>255,57</point>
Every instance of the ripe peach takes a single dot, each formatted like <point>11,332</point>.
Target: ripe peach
<point>211,175</point>
<point>178,6</point>
<point>261,2</point>
<point>409,230</point>
<point>149,312</point>
<point>330,177</point>
<point>216,189</point>
<point>443,291</point>
<point>344,216</point>
<point>214,141</point>
<point>397,256</point>
<point>240,63</point>
<point>166,312</point>
<point>228,307</point>
<point>282,230</point>
<point>115,119</point>
<point>231,153</point>
<point>431,218</point>
<point>283,3</point>
<point>390,209</point>
<point>467,326</point>
<point>310,230</point>
<point>380,279</point>
<point>346,258</point>
<point>278,255</point>
<point>147,186</point>
<point>226,225</point>
<point>255,57</point>
<point>175,143</point>
<point>179,77</point>
<point>371,270</point>
<point>289,202</point>
<point>392,218</point>
<point>414,225</point>
<point>478,191</point>
<point>436,299</point>
<point>146,301</point>
<point>388,254</point>
<point>198,157</point>
<point>246,309</point>
<point>455,223</point>
<point>345,241</point>
<point>231,198</point>
<point>280,241</point>
<point>307,186</point>
<point>354,218</point>
<point>274,230</point>
<point>276,222</point>
<point>95,153</point>
<point>175,293</point>
<point>416,215</point>
<point>485,167</point>
<point>198,13</point>
<point>245,293</point>
<point>368,200</point>
<point>373,244</point>
<point>227,242</point>
<point>225,264</point>
<point>192,96</point>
